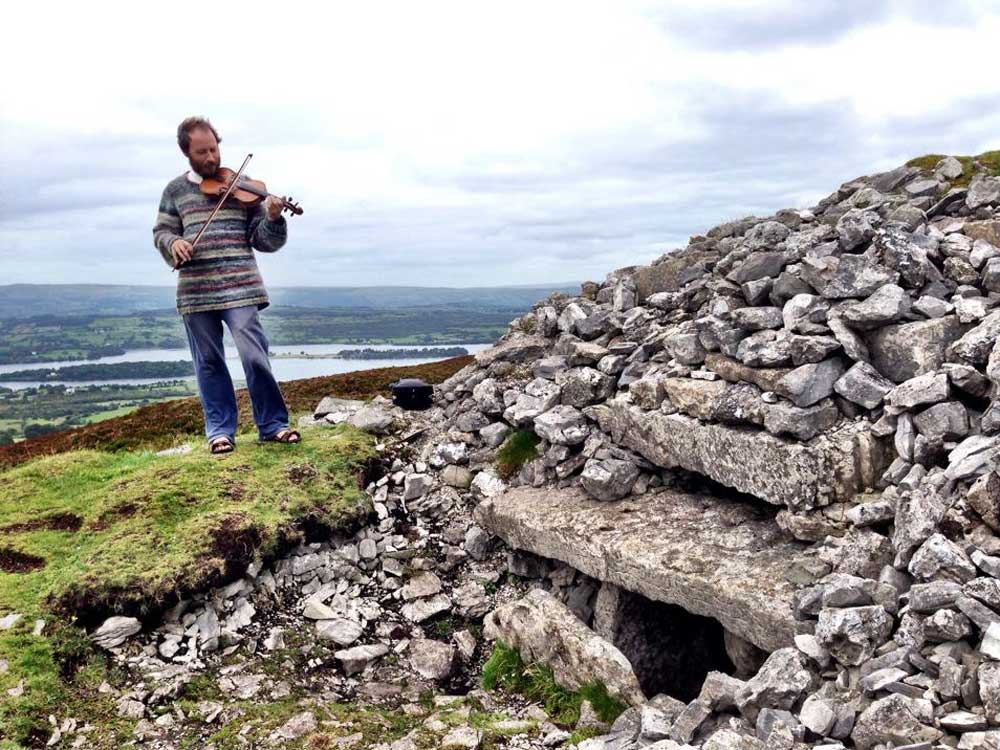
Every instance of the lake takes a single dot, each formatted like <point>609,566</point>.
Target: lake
<point>293,368</point>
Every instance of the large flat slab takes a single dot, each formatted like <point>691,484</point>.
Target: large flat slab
<point>713,557</point>
<point>829,468</point>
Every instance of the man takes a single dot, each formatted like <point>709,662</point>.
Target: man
<point>219,282</point>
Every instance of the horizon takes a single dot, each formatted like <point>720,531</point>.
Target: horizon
<point>450,144</point>
<point>542,285</point>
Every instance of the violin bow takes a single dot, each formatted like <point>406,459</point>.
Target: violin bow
<point>229,190</point>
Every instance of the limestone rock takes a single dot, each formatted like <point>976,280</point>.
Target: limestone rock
<point>905,350</point>
<point>808,384</point>
<point>806,313</point>
<point>297,726</point>
<point>972,457</point>
<point>539,396</point>
<point>862,384</point>
<point>983,191</point>
<point>941,559</point>
<point>887,305</point>
<point>516,348</point>
<point>341,631</point>
<point>609,479</point>
<point>710,556</point>
<point>984,497</point>
<point>783,418</point>
<point>694,397</point>
<point>895,719</point>
<point>943,421</point>
<point>356,659</point>
<point>975,346</point>
<point>778,471</point>
<point>542,629</point>
<point>562,425</point>
<point>371,418</point>
<point>432,659</point>
<point>856,227</point>
<point>852,634</point>
<point>115,631</point>
<point>735,371</point>
<point>929,388</point>
<point>854,276</point>
<point>781,682</point>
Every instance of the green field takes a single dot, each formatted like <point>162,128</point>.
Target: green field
<point>33,411</point>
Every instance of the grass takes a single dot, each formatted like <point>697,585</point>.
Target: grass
<point>128,532</point>
<point>987,162</point>
<point>519,448</point>
<point>506,671</point>
<point>253,721</point>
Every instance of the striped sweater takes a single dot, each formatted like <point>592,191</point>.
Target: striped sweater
<point>223,272</point>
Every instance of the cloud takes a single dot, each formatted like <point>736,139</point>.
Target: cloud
<point>751,25</point>
<point>468,143</point>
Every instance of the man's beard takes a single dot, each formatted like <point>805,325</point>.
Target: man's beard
<point>205,170</point>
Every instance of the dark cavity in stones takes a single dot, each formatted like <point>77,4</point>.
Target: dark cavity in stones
<point>670,649</point>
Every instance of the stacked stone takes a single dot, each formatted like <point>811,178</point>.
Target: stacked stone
<point>863,329</point>
<point>797,326</point>
<point>839,362</point>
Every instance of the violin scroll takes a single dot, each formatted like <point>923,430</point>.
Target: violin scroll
<point>289,205</point>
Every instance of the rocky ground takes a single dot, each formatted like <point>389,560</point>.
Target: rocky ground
<point>355,639</point>
<point>820,385</point>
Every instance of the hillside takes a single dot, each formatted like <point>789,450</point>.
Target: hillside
<point>160,425</point>
<point>746,497</point>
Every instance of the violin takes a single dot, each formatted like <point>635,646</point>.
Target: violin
<point>246,191</point>
<point>230,184</point>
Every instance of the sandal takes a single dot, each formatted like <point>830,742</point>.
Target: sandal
<point>221,444</point>
<point>285,435</point>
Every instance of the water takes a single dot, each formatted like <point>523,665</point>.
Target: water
<point>284,369</point>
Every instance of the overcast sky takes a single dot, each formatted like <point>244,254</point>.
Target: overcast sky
<point>470,143</point>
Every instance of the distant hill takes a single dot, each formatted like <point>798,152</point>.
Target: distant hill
<point>28,300</point>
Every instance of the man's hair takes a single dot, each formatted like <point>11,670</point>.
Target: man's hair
<point>189,124</point>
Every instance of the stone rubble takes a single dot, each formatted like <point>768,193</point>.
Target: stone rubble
<point>865,329</point>
<point>836,368</point>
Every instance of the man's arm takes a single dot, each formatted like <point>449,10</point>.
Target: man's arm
<point>168,228</point>
<point>265,234</point>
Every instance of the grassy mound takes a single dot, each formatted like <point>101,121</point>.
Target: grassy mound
<point>987,162</point>
<point>87,533</point>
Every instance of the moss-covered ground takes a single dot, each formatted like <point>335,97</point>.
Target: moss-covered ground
<point>519,448</point>
<point>506,671</point>
<point>85,534</point>
<point>987,162</point>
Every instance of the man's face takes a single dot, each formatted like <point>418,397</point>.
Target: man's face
<point>203,153</point>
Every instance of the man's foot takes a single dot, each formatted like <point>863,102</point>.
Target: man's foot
<point>285,435</point>
<point>221,444</point>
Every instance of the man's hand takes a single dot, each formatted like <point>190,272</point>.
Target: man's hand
<point>273,206</point>
<point>182,250</point>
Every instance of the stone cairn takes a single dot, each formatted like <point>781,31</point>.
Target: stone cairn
<point>837,364</point>
<point>840,362</point>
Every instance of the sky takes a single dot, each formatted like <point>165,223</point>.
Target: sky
<point>470,143</point>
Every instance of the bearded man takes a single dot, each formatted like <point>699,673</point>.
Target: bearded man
<point>219,282</point>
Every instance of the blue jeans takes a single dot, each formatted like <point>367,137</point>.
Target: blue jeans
<point>215,386</point>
